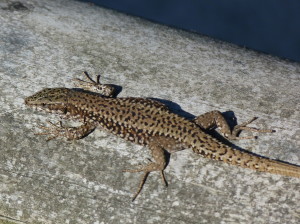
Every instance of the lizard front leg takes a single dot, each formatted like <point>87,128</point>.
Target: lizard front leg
<point>159,147</point>
<point>96,86</point>
<point>71,133</point>
<point>215,118</point>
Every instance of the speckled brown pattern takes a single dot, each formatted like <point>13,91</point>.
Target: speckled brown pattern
<point>151,123</point>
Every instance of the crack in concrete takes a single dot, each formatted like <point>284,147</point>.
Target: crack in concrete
<point>7,218</point>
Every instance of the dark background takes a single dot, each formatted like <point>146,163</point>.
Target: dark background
<point>270,26</point>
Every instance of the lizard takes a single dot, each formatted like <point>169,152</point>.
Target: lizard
<point>151,123</point>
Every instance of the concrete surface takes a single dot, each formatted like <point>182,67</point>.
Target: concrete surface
<point>47,43</point>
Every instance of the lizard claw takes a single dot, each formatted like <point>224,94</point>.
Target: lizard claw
<point>90,82</point>
<point>55,130</point>
<point>238,128</point>
<point>143,181</point>
<point>146,171</point>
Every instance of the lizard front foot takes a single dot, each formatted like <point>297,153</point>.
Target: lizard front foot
<point>55,130</point>
<point>95,86</point>
<point>58,130</point>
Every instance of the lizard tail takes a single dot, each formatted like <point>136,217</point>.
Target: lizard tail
<point>281,168</point>
<point>247,160</point>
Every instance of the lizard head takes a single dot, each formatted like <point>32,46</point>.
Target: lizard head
<point>54,98</point>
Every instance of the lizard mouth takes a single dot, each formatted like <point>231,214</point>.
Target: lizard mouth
<point>29,103</point>
<point>44,107</point>
<point>38,107</point>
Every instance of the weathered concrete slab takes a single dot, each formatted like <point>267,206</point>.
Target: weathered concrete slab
<point>48,43</point>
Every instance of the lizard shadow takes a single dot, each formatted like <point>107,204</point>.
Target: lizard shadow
<point>117,89</point>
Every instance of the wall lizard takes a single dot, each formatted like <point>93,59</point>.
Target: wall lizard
<point>148,122</point>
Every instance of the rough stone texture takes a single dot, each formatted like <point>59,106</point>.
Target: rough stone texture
<point>47,43</point>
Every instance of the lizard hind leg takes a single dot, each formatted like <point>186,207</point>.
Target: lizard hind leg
<point>215,118</point>
<point>158,147</point>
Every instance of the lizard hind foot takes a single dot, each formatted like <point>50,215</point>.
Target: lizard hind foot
<point>215,118</point>
<point>156,146</point>
<point>146,169</point>
<point>238,128</point>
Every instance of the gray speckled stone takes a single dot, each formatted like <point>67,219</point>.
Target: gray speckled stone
<point>47,43</point>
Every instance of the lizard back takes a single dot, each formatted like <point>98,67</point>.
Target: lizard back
<point>139,119</point>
